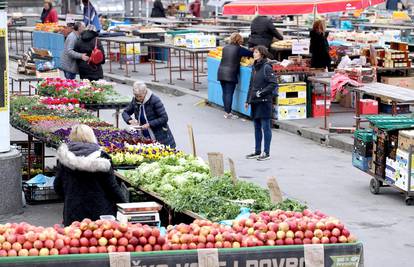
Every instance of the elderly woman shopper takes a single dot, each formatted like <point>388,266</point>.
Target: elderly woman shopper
<point>85,178</point>
<point>263,87</point>
<point>69,56</point>
<point>85,45</point>
<point>228,71</point>
<point>150,115</point>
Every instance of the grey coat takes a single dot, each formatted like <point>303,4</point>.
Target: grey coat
<point>69,56</point>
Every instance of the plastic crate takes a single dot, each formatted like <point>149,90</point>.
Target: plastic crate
<point>401,109</point>
<point>35,194</point>
<point>361,162</point>
<point>212,68</point>
<point>365,135</point>
<point>37,161</point>
<point>363,148</point>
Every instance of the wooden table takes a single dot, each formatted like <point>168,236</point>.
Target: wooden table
<point>125,41</point>
<point>394,94</point>
<point>194,57</point>
<point>14,76</point>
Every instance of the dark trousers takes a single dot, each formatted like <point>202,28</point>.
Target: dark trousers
<point>69,75</point>
<point>228,92</point>
<point>262,127</point>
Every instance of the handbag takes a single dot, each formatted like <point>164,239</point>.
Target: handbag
<point>97,55</point>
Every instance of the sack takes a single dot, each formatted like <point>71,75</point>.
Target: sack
<point>97,55</point>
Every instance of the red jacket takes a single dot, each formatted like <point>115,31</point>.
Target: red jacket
<point>195,9</point>
<point>52,17</point>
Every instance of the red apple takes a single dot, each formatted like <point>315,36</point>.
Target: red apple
<point>102,249</point>
<point>283,226</point>
<point>97,233</point>
<point>93,242</point>
<point>299,234</point>
<point>102,241</point>
<point>74,250</point>
<point>37,244</point>
<point>13,253</point>
<point>54,251</point>
<point>33,252</point>
<point>121,249</point>
<point>142,241</point>
<point>88,233</point>
<point>351,238</point>
<point>23,253</point>
<point>289,241</point>
<point>152,240</point>
<point>113,241</point>
<point>3,253</point>
<point>147,248</point>
<point>111,248</point>
<point>345,232</point>
<point>318,233</point>
<point>44,252</point>
<point>280,242</point>
<point>307,241</point>
<point>290,234</point>
<point>316,240</point>
<point>342,239</point>
<point>336,232</point>
<point>333,239</point>
<point>210,245</point>
<point>93,250</point>
<point>298,241</point>
<point>49,244</point>
<point>108,234</point>
<point>63,251</point>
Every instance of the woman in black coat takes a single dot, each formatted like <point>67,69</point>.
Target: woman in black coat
<point>150,114</point>
<point>85,45</point>
<point>319,46</point>
<point>158,10</point>
<point>228,71</point>
<point>262,32</point>
<point>85,178</point>
<point>263,87</point>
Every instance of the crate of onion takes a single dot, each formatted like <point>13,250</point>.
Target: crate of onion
<point>268,239</point>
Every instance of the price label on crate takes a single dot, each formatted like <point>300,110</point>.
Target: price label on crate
<point>300,47</point>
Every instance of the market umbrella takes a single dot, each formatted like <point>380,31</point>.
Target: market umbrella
<point>294,7</point>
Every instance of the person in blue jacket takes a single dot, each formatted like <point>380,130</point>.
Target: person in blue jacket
<point>229,69</point>
<point>90,16</point>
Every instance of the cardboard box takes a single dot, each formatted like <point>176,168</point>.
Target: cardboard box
<point>368,106</point>
<point>290,112</point>
<point>346,101</point>
<point>291,98</point>
<point>405,140</point>
<point>129,49</point>
<point>406,82</point>
<point>291,87</point>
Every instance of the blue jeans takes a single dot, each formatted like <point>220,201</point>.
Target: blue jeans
<point>228,91</point>
<point>69,75</point>
<point>262,127</point>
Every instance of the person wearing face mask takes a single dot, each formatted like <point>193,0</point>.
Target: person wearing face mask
<point>263,87</point>
<point>150,115</point>
<point>49,14</point>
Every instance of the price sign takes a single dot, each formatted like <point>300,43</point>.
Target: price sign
<point>300,47</point>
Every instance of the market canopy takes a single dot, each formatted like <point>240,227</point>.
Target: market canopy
<point>294,7</point>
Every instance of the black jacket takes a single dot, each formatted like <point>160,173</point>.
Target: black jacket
<point>229,68</point>
<point>262,32</point>
<point>263,86</point>
<point>158,10</point>
<point>156,115</point>
<point>319,48</point>
<point>86,180</point>
<point>86,44</point>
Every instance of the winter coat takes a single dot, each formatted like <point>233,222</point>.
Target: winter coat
<point>158,10</point>
<point>195,8</point>
<point>85,45</point>
<point>90,16</point>
<point>49,16</point>
<point>393,5</point>
<point>85,179</point>
<point>262,32</point>
<point>263,86</point>
<point>69,56</point>
<point>229,68</point>
<point>319,48</point>
<point>156,117</point>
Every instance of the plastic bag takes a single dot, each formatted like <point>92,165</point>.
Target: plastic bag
<point>345,62</point>
<point>244,214</point>
<point>41,180</point>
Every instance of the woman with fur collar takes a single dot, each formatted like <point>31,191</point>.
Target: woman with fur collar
<point>149,114</point>
<point>85,178</point>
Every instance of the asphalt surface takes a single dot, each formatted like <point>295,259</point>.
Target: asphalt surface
<point>320,176</point>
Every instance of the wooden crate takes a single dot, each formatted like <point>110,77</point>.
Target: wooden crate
<point>405,140</point>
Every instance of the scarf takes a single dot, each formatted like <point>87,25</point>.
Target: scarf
<point>142,114</point>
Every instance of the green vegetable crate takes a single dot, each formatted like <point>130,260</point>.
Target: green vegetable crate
<point>334,255</point>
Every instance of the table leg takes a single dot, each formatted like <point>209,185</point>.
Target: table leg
<point>179,65</point>
<point>357,112</point>
<point>97,113</point>
<point>120,57</point>
<point>133,52</point>
<point>117,118</point>
<point>202,62</point>
<point>197,69</point>
<point>324,103</point>
<point>109,53</point>
<point>22,38</point>
<point>169,64</point>
<point>12,86</point>
<point>194,74</point>
<point>10,39</point>
<point>20,87</point>
<point>31,39</point>
<point>29,155</point>
<point>17,43</point>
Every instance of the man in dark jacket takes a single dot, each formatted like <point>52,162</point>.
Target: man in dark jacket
<point>86,180</point>
<point>85,45</point>
<point>150,115</point>
<point>158,10</point>
<point>262,32</point>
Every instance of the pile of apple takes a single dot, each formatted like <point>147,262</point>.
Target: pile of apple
<point>88,236</point>
<point>268,228</point>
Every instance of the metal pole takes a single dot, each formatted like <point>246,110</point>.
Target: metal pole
<point>4,88</point>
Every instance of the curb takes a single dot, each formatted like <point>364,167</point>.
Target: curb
<point>315,134</point>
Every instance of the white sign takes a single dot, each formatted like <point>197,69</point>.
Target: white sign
<point>300,47</point>
<point>70,18</point>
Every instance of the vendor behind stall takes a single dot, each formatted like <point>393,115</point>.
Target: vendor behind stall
<point>319,46</point>
<point>150,115</point>
<point>158,10</point>
<point>262,32</point>
<point>85,178</point>
<point>49,14</point>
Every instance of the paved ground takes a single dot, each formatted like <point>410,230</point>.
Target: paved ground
<point>322,177</point>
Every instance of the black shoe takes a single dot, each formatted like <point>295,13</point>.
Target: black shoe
<point>263,157</point>
<point>253,156</point>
